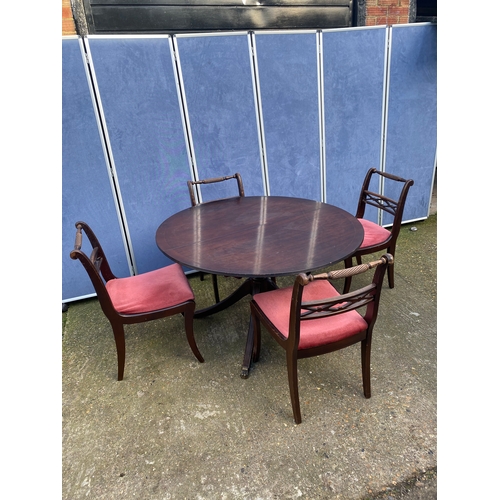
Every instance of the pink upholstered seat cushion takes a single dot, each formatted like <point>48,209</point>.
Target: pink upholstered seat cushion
<point>150,291</point>
<point>374,234</point>
<point>276,306</point>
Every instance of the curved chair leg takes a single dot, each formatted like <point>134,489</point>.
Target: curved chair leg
<point>365,367</point>
<point>119,333</point>
<point>188,325</point>
<point>291,364</point>
<point>347,281</point>
<point>216,288</point>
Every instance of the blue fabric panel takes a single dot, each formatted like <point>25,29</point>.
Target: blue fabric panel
<point>412,115</point>
<point>86,189</point>
<point>216,72</point>
<point>353,69</point>
<point>289,89</point>
<point>136,82</point>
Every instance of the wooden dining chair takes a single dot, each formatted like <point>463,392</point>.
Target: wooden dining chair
<point>378,238</point>
<point>136,299</point>
<point>312,318</point>
<point>194,195</point>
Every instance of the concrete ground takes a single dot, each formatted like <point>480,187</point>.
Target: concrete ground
<point>178,429</point>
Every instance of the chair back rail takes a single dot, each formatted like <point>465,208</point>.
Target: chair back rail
<point>96,265</point>
<point>103,268</point>
<point>192,184</point>
<point>330,307</point>
<point>339,273</point>
<point>380,201</point>
<point>389,205</point>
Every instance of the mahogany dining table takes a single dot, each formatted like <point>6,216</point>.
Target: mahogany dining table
<point>258,238</point>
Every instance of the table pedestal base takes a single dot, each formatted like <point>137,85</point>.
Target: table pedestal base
<point>249,286</point>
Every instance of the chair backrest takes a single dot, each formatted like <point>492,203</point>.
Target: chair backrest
<point>96,264</point>
<point>367,296</point>
<point>389,205</point>
<point>192,185</point>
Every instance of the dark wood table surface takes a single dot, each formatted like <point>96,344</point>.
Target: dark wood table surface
<point>258,237</point>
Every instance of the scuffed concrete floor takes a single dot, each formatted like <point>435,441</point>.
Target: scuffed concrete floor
<point>178,429</point>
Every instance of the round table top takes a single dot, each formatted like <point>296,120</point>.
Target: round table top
<point>259,236</point>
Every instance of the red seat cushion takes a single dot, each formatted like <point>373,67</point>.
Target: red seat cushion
<point>165,287</point>
<point>276,306</point>
<point>374,234</point>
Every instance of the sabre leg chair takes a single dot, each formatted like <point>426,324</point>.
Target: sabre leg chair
<point>195,195</point>
<point>378,238</point>
<point>135,299</point>
<point>312,318</point>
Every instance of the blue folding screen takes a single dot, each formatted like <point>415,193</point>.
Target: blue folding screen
<point>219,98</point>
<point>354,84</point>
<point>87,192</point>
<point>301,114</point>
<point>288,81</point>
<point>137,87</point>
<point>412,114</point>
